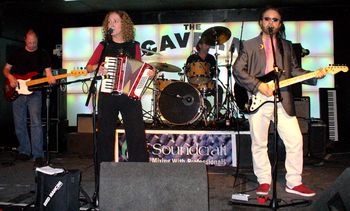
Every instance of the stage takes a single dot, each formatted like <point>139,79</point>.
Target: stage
<point>17,186</point>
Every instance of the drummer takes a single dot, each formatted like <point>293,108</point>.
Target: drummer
<point>203,55</point>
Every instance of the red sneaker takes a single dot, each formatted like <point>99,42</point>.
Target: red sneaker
<point>301,190</point>
<point>263,189</point>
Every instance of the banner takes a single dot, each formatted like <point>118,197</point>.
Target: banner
<point>184,146</point>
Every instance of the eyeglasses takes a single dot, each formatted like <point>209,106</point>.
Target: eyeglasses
<point>271,19</point>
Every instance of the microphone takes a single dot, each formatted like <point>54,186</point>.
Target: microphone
<point>101,77</point>
<point>110,31</point>
<point>270,29</point>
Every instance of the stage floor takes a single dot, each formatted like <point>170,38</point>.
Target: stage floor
<point>17,179</point>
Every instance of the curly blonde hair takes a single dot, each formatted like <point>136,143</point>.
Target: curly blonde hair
<point>127,25</point>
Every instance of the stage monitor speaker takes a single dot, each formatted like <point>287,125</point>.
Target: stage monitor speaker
<point>337,196</point>
<point>58,192</point>
<point>153,186</point>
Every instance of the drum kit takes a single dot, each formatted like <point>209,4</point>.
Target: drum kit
<point>177,102</point>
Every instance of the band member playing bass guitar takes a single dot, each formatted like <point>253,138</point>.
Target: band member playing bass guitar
<point>255,60</point>
<point>29,61</point>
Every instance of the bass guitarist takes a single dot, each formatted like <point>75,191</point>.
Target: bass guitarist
<point>27,62</point>
<point>256,59</point>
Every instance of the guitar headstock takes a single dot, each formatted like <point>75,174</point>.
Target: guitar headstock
<point>77,73</point>
<point>333,69</point>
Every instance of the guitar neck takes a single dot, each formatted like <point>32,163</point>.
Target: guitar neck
<point>44,80</point>
<point>297,79</point>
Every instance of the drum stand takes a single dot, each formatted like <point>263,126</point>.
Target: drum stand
<point>156,120</point>
<point>231,107</point>
<point>217,81</point>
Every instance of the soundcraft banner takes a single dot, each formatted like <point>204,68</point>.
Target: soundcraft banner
<point>216,148</point>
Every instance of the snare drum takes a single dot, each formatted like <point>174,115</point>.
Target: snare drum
<point>180,103</point>
<point>198,72</point>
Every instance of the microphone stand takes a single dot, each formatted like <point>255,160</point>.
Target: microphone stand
<point>48,120</point>
<point>277,95</point>
<point>217,81</point>
<point>92,92</point>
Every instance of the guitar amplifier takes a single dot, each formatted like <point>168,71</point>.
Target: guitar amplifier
<point>302,110</point>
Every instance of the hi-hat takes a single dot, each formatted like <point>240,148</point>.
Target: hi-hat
<point>216,35</point>
<point>165,67</point>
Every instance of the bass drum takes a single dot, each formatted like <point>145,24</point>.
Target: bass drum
<point>180,103</point>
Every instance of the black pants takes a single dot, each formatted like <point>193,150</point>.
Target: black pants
<point>109,107</point>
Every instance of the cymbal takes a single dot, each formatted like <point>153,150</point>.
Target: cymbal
<point>165,67</point>
<point>216,35</point>
<point>149,51</point>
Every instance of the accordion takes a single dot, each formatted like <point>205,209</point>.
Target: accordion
<point>126,76</point>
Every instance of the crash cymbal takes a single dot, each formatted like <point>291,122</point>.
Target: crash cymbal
<point>216,35</point>
<point>165,67</point>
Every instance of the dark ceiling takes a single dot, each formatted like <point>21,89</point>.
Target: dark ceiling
<point>97,6</point>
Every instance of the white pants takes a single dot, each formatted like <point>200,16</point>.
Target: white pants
<point>289,131</point>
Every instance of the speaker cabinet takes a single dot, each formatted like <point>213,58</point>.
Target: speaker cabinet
<point>318,139</point>
<point>337,196</point>
<point>84,123</point>
<point>244,152</point>
<point>302,110</point>
<point>153,186</point>
<point>57,134</point>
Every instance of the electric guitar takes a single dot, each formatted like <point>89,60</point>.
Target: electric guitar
<point>249,103</point>
<point>25,82</point>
